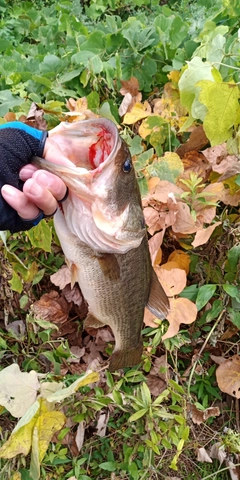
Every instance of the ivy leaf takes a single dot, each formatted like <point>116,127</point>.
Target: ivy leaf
<point>221,100</point>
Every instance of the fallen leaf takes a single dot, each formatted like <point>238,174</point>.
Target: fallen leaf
<point>158,376</point>
<point>149,318</point>
<point>138,112</point>
<point>196,141</point>
<point>173,281</point>
<point>181,258</point>
<point>153,220</point>
<point>130,86</point>
<point>219,158</point>
<point>184,222</point>
<point>182,310</point>
<point>200,416</point>
<point>62,277</point>
<point>102,424</point>
<point>73,294</point>
<point>229,199</point>
<point>202,236</point>
<point>228,376</point>
<point>18,390</point>
<point>51,307</point>
<point>202,455</point>
<point>79,438</point>
<point>154,244</point>
<point>218,451</point>
<point>130,90</point>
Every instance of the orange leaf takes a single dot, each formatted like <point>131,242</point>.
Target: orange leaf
<point>181,258</point>
<point>182,310</point>
<point>202,236</point>
<point>173,281</point>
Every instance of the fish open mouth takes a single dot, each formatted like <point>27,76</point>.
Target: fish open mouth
<point>88,143</point>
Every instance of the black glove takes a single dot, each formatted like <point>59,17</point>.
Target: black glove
<point>18,144</point>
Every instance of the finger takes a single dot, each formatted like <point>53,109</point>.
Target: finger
<point>53,183</point>
<point>41,196</point>
<point>17,200</point>
<point>27,172</point>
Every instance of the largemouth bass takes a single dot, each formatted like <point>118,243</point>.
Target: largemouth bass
<point>103,235</point>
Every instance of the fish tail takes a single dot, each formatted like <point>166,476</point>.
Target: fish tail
<point>125,358</point>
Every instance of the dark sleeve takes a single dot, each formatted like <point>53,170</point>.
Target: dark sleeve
<point>18,144</point>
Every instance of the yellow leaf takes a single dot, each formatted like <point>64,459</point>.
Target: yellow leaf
<point>138,112</point>
<point>16,476</point>
<point>182,310</point>
<point>181,258</point>
<point>61,394</point>
<point>19,441</point>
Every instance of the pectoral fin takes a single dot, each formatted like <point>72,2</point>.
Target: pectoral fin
<point>109,266</point>
<point>92,322</point>
<point>158,302</point>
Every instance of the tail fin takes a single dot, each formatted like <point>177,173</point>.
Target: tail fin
<point>125,358</point>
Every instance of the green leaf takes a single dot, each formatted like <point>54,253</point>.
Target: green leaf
<point>167,168</point>
<point>190,292</point>
<point>66,77</point>
<point>233,256</point>
<point>223,110</point>
<point>234,317</point>
<point>140,413</point>
<point>204,294</point>
<point>41,236</point>
<point>8,101</point>
<point>109,466</point>
<point>42,80</point>
<point>16,283</point>
<point>232,290</point>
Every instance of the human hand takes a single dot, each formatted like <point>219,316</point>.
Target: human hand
<point>30,194</point>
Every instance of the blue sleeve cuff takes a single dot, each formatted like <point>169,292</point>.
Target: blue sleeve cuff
<point>25,128</point>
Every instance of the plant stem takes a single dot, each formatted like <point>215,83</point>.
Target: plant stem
<point>201,350</point>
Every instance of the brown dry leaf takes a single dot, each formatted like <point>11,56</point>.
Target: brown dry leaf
<point>206,215</point>
<point>79,438</point>
<point>102,424</point>
<point>196,141</point>
<point>173,281</point>
<point>184,222</point>
<point>163,190</point>
<point>138,112</point>
<point>218,451</point>
<point>202,455</point>
<point>228,376</point>
<point>35,117</point>
<point>219,158</point>
<point>182,310</point>
<point>78,110</point>
<point>51,307</point>
<point>73,294</point>
<point>130,91</point>
<point>202,236</point>
<point>181,258</point>
<point>153,220</point>
<point>217,360</point>
<point>149,319</point>
<point>200,416</point>
<point>229,199</point>
<point>62,277</point>
<point>195,162</point>
<point>10,117</point>
<point>158,376</point>
<point>154,247</point>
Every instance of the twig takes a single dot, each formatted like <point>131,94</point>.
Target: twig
<point>201,350</point>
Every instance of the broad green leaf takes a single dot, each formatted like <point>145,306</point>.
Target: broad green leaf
<point>8,101</point>
<point>43,80</point>
<point>135,146</point>
<point>109,466</point>
<point>190,292</point>
<point>222,102</point>
<point>233,256</point>
<point>146,395</point>
<point>204,294</point>
<point>66,77</point>
<point>16,283</point>
<point>41,236</point>
<point>232,290</point>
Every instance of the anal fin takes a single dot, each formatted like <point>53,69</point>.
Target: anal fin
<point>92,322</point>
<point>158,302</point>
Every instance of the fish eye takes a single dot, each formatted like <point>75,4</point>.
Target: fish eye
<point>127,166</point>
